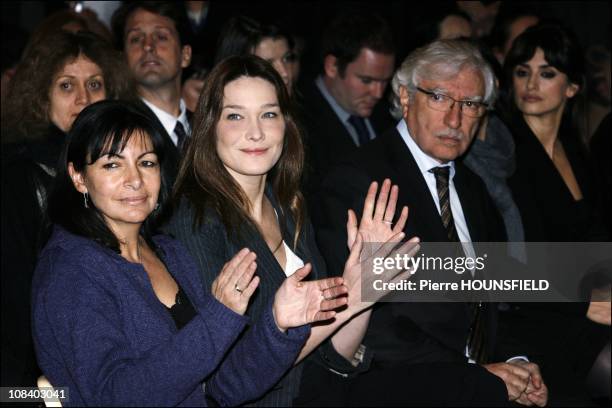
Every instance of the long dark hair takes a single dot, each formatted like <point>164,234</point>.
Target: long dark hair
<point>561,50</point>
<point>104,128</point>
<point>203,179</point>
<point>241,35</point>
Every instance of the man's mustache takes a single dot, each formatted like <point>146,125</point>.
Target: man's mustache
<point>451,133</point>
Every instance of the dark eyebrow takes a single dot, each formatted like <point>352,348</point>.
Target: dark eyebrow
<point>145,153</point>
<point>267,105</point>
<point>119,156</point>
<point>525,65</point>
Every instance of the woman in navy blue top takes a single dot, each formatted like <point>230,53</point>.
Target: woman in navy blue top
<point>120,314</point>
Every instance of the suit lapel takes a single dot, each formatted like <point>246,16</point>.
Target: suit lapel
<point>424,216</point>
<point>341,140</point>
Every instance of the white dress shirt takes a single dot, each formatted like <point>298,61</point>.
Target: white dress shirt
<point>426,163</point>
<point>168,121</point>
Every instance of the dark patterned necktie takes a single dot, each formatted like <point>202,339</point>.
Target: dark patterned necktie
<point>360,127</point>
<point>442,175</point>
<point>476,340</point>
<point>181,135</point>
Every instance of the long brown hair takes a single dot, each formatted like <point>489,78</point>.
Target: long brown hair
<point>204,180</point>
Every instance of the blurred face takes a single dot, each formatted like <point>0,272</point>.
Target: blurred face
<point>251,129</point>
<point>363,83</point>
<point>516,28</point>
<point>539,88</point>
<point>443,135</point>
<point>123,187</point>
<point>277,53</point>
<point>483,15</point>
<point>76,86</point>
<point>153,50</point>
<point>453,27</point>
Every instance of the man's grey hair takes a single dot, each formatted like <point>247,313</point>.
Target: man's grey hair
<point>440,60</point>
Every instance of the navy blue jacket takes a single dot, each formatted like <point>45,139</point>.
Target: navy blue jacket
<point>100,330</point>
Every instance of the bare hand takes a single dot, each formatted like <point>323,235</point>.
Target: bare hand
<point>236,283</point>
<point>514,376</point>
<point>537,391</point>
<point>297,303</point>
<point>599,311</point>
<point>360,281</point>
<point>376,224</point>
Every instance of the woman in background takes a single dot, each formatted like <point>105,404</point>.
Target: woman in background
<point>544,71</point>
<point>243,36</point>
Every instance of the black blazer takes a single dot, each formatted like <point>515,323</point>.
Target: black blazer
<point>173,158</point>
<point>548,209</point>
<point>558,336</point>
<point>212,246</point>
<point>327,139</point>
<point>403,333</point>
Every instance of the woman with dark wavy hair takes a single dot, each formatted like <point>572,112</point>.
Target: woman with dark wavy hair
<point>239,186</point>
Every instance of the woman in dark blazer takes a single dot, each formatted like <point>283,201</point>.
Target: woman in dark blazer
<point>551,188</point>
<point>238,186</point>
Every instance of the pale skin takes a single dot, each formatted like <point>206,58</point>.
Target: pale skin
<point>445,136</point>
<point>250,136</point>
<point>541,92</point>
<point>124,188</point>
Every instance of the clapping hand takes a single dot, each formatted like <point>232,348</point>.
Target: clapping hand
<point>237,281</point>
<point>376,229</point>
<point>376,224</point>
<point>297,302</point>
<point>359,277</point>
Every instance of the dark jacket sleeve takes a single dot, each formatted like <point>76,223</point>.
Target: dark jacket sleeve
<point>256,362</point>
<point>345,188</point>
<point>330,213</point>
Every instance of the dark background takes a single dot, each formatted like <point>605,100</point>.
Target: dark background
<point>589,19</point>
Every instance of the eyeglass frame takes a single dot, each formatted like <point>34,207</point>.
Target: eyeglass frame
<point>450,107</point>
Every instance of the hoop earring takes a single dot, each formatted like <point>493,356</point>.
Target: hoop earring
<point>156,207</point>
<point>85,199</point>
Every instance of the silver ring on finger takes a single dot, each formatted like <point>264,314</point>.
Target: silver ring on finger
<point>237,288</point>
<point>388,222</point>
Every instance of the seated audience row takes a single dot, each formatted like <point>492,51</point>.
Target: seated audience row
<point>180,265</point>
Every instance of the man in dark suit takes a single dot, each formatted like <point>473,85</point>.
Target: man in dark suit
<point>441,91</point>
<point>358,62</point>
<point>153,39</point>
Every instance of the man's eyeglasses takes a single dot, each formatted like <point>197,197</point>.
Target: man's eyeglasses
<point>444,103</point>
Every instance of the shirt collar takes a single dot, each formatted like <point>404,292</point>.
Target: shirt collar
<point>167,120</point>
<point>422,159</point>
<point>340,112</point>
